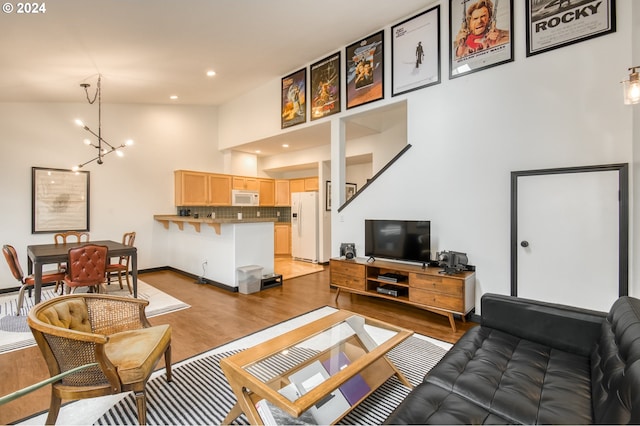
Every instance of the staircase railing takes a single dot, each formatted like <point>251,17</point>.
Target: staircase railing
<point>370,181</point>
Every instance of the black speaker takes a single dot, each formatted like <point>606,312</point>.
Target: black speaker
<point>348,250</point>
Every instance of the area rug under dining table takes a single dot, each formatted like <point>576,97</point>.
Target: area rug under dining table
<point>15,333</point>
<point>200,394</point>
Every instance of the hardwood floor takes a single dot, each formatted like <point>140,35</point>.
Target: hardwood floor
<point>289,268</point>
<point>216,317</point>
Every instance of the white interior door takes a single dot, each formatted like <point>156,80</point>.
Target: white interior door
<point>568,238</point>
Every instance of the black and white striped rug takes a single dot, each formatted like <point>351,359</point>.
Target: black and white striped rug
<point>199,393</point>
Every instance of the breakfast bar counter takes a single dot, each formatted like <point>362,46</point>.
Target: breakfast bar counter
<point>215,251</point>
<point>165,219</point>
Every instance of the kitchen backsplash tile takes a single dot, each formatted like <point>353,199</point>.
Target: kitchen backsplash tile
<point>282,214</point>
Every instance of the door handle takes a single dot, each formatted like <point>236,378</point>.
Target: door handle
<point>524,243</point>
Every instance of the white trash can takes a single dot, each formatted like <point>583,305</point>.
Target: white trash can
<point>249,279</point>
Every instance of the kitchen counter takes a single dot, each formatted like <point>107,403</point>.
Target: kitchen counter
<point>216,250</point>
<point>196,222</point>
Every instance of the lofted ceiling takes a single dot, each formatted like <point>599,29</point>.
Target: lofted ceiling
<point>149,50</point>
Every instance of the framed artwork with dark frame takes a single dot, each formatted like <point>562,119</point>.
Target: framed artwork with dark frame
<point>59,200</point>
<point>364,62</point>
<point>293,96</point>
<point>555,24</point>
<point>325,87</point>
<point>415,49</point>
<point>350,191</point>
<point>484,37</point>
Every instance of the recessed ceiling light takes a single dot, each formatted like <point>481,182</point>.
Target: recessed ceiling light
<point>211,73</point>
<point>258,151</point>
<point>285,145</point>
<point>173,97</point>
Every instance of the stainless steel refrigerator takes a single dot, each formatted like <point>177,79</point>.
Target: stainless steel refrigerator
<point>304,226</point>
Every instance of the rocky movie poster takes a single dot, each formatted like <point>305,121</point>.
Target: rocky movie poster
<point>557,23</point>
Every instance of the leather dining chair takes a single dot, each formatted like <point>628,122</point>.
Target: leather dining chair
<point>26,281</point>
<point>122,267</point>
<point>82,330</point>
<point>86,267</point>
<point>63,238</point>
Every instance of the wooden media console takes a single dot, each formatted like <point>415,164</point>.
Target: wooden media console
<point>426,288</point>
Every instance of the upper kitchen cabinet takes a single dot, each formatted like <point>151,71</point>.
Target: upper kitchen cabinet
<point>190,188</point>
<point>219,190</point>
<point>282,193</point>
<point>304,184</point>
<point>267,192</point>
<point>247,183</point>
<point>202,189</point>
<point>311,184</point>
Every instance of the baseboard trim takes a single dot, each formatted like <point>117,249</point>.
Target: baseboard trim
<point>196,278</point>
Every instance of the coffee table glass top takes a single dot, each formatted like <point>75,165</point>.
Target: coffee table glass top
<point>341,343</point>
<point>327,366</point>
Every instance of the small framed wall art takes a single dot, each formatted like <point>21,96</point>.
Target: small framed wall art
<point>554,24</point>
<point>480,35</point>
<point>364,61</point>
<point>325,87</point>
<point>415,48</point>
<point>294,106</point>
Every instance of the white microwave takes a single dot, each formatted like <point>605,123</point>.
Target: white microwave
<point>241,197</point>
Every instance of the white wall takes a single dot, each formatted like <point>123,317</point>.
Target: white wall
<point>125,192</point>
<point>556,109</point>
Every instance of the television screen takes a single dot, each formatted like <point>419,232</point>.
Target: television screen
<point>408,240</point>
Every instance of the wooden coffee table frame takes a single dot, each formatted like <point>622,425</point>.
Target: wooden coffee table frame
<point>374,367</point>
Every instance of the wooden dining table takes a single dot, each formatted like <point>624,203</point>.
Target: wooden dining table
<point>42,254</point>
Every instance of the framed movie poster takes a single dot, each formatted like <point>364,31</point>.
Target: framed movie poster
<point>59,200</point>
<point>364,62</point>
<point>294,107</point>
<point>480,35</point>
<point>415,48</point>
<point>558,23</point>
<point>325,87</point>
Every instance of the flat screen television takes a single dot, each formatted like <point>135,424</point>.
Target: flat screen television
<point>408,240</point>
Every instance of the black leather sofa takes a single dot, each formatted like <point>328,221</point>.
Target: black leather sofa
<point>532,362</point>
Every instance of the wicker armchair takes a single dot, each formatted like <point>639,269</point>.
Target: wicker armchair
<point>80,329</point>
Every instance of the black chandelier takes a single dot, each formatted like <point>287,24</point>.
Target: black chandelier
<point>104,148</point>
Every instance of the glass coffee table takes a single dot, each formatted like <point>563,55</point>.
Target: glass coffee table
<point>322,369</point>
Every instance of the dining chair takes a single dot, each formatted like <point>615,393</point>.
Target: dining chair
<point>71,236</point>
<point>26,281</point>
<point>122,267</point>
<point>81,330</point>
<point>86,267</point>
<point>63,238</point>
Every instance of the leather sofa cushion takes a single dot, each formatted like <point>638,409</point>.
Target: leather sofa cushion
<point>431,404</point>
<point>615,362</point>
<point>490,376</point>
<point>135,353</point>
<point>71,314</point>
